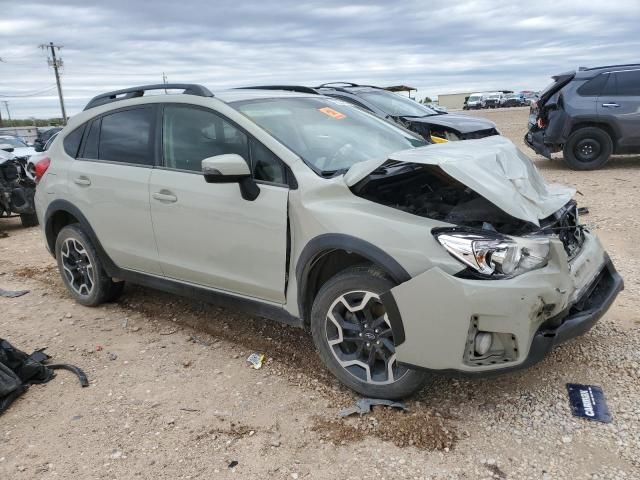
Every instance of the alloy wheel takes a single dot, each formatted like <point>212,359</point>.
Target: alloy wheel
<point>359,335</point>
<point>77,267</point>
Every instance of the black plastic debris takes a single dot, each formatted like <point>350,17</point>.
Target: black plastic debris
<point>19,370</point>
<point>12,293</point>
<point>233,464</point>
<point>587,401</point>
<point>364,405</point>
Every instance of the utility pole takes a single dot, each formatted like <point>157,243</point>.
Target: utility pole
<point>6,105</point>
<point>164,81</point>
<point>56,63</point>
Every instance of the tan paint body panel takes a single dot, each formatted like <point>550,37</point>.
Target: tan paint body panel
<point>437,308</point>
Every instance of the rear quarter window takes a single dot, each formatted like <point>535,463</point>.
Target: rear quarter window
<point>593,87</point>
<point>71,142</point>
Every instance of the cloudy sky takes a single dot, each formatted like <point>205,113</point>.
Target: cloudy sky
<point>436,46</point>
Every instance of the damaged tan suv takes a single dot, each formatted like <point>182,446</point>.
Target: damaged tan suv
<point>401,258</point>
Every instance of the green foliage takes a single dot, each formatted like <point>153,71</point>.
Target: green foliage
<point>49,122</point>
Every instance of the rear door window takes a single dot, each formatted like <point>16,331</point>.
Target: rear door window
<point>126,136</point>
<point>628,83</point>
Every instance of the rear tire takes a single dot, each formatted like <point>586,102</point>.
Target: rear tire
<point>81,269</point>
<point>29,220</point>
<point>353,336</point>
<point>587,148</point>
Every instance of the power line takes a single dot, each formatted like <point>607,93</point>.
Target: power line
<point>35,93</point>
<point>56,63</point>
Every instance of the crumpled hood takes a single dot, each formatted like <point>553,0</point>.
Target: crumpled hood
<point>461,123</point>
<point>493,167</point>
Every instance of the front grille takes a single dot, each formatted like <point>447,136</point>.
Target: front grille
<point>566,225</point>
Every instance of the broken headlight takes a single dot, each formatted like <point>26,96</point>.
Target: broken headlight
<point>494,255</point>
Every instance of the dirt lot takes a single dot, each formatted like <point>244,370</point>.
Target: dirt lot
<point>172,396</point>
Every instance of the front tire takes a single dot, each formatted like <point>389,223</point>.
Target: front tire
<point>81,269</point>
<point>587,148</point>
<point>353,336</point>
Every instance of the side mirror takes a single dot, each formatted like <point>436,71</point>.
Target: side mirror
<point>38,146</point>
<point>6,147</point>
<point>231,168</point>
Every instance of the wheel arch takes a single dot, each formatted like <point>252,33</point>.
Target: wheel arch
<point>327,254</point>
<point>606,127</point>
<point>61,213</point>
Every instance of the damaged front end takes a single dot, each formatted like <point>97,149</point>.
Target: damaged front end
<point>17,187</point>
<point>529,277</point>
<point>549,123</point>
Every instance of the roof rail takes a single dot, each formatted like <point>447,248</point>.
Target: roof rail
<point>611,66</point>
<point>134,92</point>
<point>291,88</point>
<point>329,84</point>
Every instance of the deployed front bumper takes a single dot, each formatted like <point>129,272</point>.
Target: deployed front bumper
<point>435,315</point>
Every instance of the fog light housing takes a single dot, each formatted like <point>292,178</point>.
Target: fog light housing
<point>482,343</point>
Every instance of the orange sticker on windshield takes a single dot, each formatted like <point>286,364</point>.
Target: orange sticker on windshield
<point>332,113</point>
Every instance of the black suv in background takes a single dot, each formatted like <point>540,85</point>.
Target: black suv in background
<point>410,114</point>
<point>589,115</point>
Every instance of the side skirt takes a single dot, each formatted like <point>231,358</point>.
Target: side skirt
<point>253,307</point>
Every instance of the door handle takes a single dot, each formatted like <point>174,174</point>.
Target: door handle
<point>165,196</point>
<point>610,105</point>
<point>82,181</point>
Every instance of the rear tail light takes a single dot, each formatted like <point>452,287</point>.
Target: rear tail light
<point>41,168</point>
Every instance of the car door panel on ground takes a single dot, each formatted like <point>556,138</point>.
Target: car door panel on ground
<point>619,103</point>
<point>207,234</point>
<point>110,185</point>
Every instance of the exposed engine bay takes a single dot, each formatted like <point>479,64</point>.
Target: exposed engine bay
<point>427,191</point>
<point>17,189</point>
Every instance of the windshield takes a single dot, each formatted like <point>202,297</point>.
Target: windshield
<point>474,98</point>
<point>329,135</point>
<point>397,105</point>
<point>15,142</point>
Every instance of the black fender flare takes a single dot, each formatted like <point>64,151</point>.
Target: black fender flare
<point>339,241</point>
<point>66,206</point>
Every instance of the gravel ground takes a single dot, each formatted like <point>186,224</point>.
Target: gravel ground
<point>172,396</point>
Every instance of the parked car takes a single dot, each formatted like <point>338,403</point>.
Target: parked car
<point>16,145</point>
<point>589,115</point>
<point>529,96</point>
<point>514,100</point>
<point>43,137</point>
<point>401,257</point>
<point>408,113</point>
<point>17,188</point>
<point>494,100</point>
<point>475,101</point>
